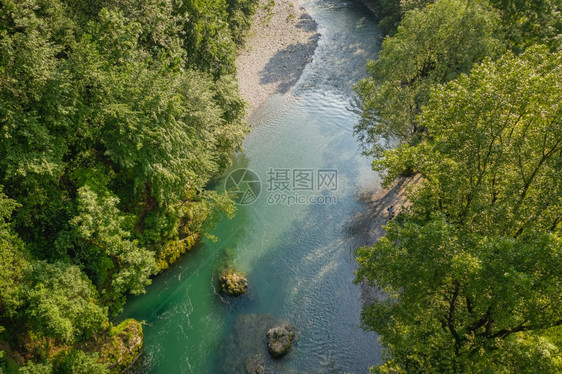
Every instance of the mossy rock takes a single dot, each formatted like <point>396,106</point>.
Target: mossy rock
<point>233,283</point>
<point>123,346</point>
<point>174,249</point>
<point>279,339</point>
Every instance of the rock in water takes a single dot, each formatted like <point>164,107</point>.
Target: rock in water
<point>233,284</point>
<point>255,365</point>
<point>245,349</point>
<point>279,339</point>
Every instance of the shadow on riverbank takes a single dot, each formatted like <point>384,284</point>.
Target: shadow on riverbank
<point>285,67</point>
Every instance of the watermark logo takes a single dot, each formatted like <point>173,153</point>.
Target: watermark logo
<point>284,186</point>
<point>288,199</point>
<point>243,186</point>
<point>302,179</point>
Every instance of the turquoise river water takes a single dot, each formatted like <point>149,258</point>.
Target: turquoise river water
<point>295,242</point>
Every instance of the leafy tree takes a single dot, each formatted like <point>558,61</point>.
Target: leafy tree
<point>61,302</point>
<point>492,159</point>
<point>472,272</point>
<point>433,45</point>
<point>529,22</point>
<point>79,362</point>
<point>103,246</point>
<point>114,116</point>
<point>239,17</point>
<point>390,12</point>
<point>33,368</point>
<point>33,116</point>
<point>14,263</point>
<point>208,39</point>
<point>463,302</point>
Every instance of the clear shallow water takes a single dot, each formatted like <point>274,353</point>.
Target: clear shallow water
<point>298,256</point>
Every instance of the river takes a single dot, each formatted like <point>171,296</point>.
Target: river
<point>295,241</point>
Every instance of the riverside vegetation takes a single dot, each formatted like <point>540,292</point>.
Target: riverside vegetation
<point>468,95</point>
<point>114,115</point>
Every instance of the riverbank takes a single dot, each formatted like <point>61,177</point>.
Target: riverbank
<point>280,43</point>
<point>376,216</point>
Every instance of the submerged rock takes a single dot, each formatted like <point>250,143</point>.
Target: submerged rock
<point>279,339</point>
<point>255,365</point>
<point>233,283</point>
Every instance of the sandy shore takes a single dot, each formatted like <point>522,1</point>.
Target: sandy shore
<point>280,43</point>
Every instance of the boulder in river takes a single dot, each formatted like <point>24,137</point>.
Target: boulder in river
<point>233,283</point>
<point>245,349</point>
<point>279,339</point>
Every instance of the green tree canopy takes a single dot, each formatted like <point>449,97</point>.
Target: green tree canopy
<point>14,263</point>
<point>463,302</point>
<point>529,22</point>
<point>472,272</point>
<point>114,116</point>
<point>61,302</point>
<point>432,45</point>
<point>492,159</point>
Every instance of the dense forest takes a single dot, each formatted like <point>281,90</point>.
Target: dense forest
<point>467,94</point>
<point>114,115</point>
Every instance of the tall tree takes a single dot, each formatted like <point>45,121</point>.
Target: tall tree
<point>473,271</point>
<point>432,45</point>
<point>492,159</point>
<point>529,22</point>
<point>61,303</point>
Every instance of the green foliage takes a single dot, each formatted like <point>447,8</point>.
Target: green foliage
<point>32,368</point>
<point>34,117</point>
<point>98,235</point>
<point>390,12</point>
<point>61,302</point>
<point>79,362</point>
<point>531,22</point>
<point>123,345</point>
<point>239,17</point>
<point>457,300</point>
<point>493,151</point>
<point>208,39</point>
<point>472,272</point>
<point>14,263</point>
<point>114,116</point>
<point>73,361</point>
<point>432,45</point>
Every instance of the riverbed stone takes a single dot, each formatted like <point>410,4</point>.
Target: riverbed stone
<point>233,283</point>
<point>279,339</point>
<point>255,365</point>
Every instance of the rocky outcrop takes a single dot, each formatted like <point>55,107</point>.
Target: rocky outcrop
<point>279,339</point>
<point>123,345</point>
<point>233,283</point>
